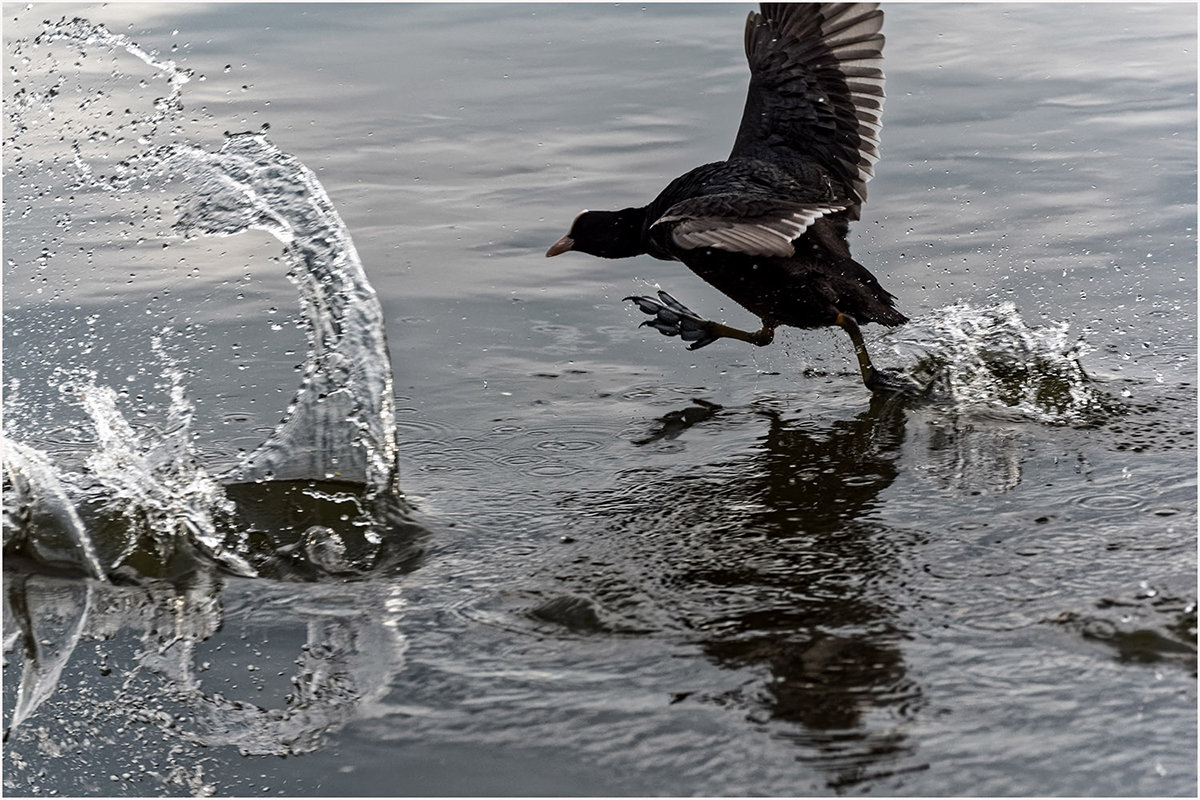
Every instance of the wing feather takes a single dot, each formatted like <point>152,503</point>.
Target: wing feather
<point>816,89</point>
<point>725,222</point>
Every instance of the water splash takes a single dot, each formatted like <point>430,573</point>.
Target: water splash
<point>341,425</point>
<point>59,618</point>
<point>350,646</point>
<point>139,493</point>
<point>129,494</point>
<point>143,500</point>
<point>87,35</point>
<point>32,486</point>
<point>990,358</point>
<point>157,481</point>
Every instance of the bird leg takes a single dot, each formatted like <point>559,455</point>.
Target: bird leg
<point>850,326</point>
<point>672,318</point>
<point>875,380</point>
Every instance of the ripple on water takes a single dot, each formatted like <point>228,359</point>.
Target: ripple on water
<point>413,423</point>
<point>1109,501</point>
<point>547,453</point>
<point>556,470</point>
<point>430,449</point>
<point>567,445</point>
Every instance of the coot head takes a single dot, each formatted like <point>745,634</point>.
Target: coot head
<point>607,234</point>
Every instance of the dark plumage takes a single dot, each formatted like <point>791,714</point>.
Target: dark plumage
<point>768,226</point>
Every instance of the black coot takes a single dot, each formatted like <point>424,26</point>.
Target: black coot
<point>768,226</point>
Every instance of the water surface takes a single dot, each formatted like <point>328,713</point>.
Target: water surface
<point>639,570</point>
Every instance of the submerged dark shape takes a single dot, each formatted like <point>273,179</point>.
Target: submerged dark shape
<point>768,226</point>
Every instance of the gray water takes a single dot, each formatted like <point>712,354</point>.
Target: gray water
<point>625,568</point>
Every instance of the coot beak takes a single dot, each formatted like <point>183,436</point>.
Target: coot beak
<point>561,246</point>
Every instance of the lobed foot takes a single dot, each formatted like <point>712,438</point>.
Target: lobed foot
<point>672,318</point>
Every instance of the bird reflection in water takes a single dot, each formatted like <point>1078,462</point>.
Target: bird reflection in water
<point>775,562</point>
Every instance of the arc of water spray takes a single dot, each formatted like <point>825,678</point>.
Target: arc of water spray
<point>28,468</point>
<point>341,423</point>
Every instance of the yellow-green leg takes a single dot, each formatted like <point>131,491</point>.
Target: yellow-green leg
<point>761,337</point>
<point>850,326</point>
<point>873,379</point>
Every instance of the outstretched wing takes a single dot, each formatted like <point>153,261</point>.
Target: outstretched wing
<point>740,223</point>
<point>816,89</point>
